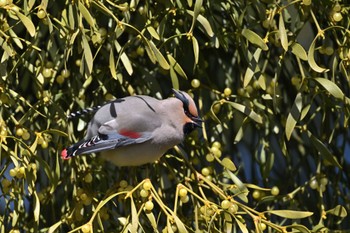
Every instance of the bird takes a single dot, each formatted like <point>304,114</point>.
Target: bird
<point>137,130</point>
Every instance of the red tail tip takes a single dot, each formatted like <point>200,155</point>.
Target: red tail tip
<point>64,154</point>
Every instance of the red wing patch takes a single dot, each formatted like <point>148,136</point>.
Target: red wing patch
<point>64,154</point>
<point>129,134</point>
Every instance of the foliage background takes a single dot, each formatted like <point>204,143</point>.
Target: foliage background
<point>271,79</point>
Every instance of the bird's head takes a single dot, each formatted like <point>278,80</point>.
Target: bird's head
<point>193,120</point>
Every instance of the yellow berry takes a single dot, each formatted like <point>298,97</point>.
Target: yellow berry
<point>216,144</point>
<point>256,194</point>
<point>26,135</point>
<point>225,204</point>
<point>41,14</point>
<point>5,183</point>
<point>109,97</point>
<point>337,16</point>
<point>216,108</point>
<point>209,157</point>
<point>144,193</point>
<point>88,178</point>
<point>185,199</point>
<point>324,181</point>
<point>102,31</point>
<point>65,73</point>
<point>60,79</point>
<point>19,132</point>
<point>22,170</point>
<point>205,171</point>
<point>313,184</point>
<point>337,7</point>
<point>3,132</point>
<point>227,91</point>
<point>275,191</point>
<point>44,144</point>
<point>149,205</point>
<point>210,178</point>
<point>195,83</point>
<point>147,185</point>
<point>87,201</point>
<point>83,196</point>
<point>216,152</point>
<point>140,51</point>
<point>233,208</point>
<point>47,72</point>
<point>13,172</point>
<point>78,62</point>
<point>262,226</point>
<point>129,188</point>
<point>123,183</point>
<point>183,192</point>
<point>241,92</point>
<point>86,228</point>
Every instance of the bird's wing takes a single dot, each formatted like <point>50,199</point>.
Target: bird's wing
<point>103,142</point>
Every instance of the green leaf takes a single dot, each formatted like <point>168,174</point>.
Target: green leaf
<point>153,32</point>
<point>87,54</point>
<point>212,113</point>
<point>174,79</point>
<point>195,49</point>
<point>254,38</point>
<point>242,191</point>
<point>152,219</point>
<point>112,64</point>
<point>294,115</point>
<point>27,23</point>
<point>324,152</point>
<point>241,225</point>
<point>160,58</point>
<point>204,22</point>
<point>150,53</point>
<point>253,186</point>
<point>290,214</point>
<point>134,216</point>
<point>282,32</point>
<point>331,87</point>
<point>228,222</point>
<point>197,9</point>
<point>252,68</point>
<point>124,58</point>
<point>14,37</point>
<point>36,207</point>
<point>180,225</point>
<point>299,228</point>
<point>311,58</point>
<point>86,14</point>
<point>247,111</point>
<point>54,227</point>
<point>339,211</point>
<point>227,163</point>
<point>299,51</point>
<point>176,66</point>
<point>55,131</point>
<point>8,50</point>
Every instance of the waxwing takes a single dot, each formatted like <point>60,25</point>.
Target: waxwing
<point>139,129</point>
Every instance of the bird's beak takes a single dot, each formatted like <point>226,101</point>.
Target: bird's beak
<point>197,121</point>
